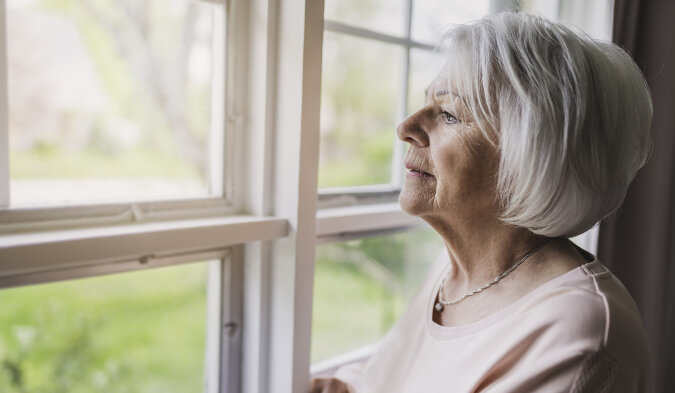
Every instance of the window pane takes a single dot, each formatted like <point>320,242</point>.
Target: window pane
<point>431,18</point>
<point>360,93</point>
<point>110,100</point>
<point>424,66</point>
<point>362,287</point>
<point>593,17</point>
<point>133,332</point>
<point>383,16</point>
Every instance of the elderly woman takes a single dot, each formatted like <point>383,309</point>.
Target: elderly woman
<point>530,134</point>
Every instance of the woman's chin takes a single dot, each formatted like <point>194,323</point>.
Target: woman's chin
<point>413,202</point>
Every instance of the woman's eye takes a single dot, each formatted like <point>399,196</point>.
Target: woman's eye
<point>449,118</point>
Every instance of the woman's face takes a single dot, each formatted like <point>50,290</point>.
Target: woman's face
<point>451,166</point>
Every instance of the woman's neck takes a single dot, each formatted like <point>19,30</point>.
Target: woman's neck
<point>481,250</point>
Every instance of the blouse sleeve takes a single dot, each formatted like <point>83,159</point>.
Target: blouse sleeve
<point>596,374</point>
<point>592,372</point>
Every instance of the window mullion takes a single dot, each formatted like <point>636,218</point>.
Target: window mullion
<point>215,297</point>
<point>218,175</point>
<point>331,223</point>
<point>298,94</point>
<point>4,120</point>
<point>338,27</point>
<point>236,170</point>
<point>408,18</point>
<point>260,107</point>
<point>232,322</point>
<point>402,110</point>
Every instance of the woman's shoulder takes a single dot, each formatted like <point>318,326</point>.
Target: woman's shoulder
<point>588,310</point>
<point>589,297</point>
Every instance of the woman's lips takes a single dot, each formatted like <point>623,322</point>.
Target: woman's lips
<point>415,166</point>
<point>418,173</point>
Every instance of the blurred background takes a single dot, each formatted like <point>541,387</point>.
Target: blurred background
<point>109,100</point>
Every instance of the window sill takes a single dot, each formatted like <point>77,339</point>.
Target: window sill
<point>337,222</point>
<point>143,243</point>
<point>329,366</point>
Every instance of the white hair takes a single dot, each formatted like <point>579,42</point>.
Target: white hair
<point>570,117</point>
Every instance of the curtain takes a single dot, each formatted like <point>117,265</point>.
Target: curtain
<point>638,242</point>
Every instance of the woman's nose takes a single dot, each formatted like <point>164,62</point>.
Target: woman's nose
<point>413,129</point>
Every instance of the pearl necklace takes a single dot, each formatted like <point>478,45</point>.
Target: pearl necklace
<point>440,304</point>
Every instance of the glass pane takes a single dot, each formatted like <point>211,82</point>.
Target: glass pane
<point>359,97</point>
<point>383,16</point>
<point>361,287</point>
<point>424,66</point>
<point>431,18</point>
<point>133,332</point>
<point>593,17</point>
<point>109,100</point>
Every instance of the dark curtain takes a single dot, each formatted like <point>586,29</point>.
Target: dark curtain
<point>638,242</point>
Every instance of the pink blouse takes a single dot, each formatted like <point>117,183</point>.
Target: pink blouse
<point>579,332</point>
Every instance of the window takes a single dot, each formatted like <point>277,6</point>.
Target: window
<point>137,332</point>
<point>362,287</point>
<point>363,97</point>
<point>117,160</point>
<point>358,110</point>
<point>197,169</point>
<point>125,97</point>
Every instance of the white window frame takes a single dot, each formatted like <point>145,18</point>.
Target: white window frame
<point>39,245</point>
<point>225,156</point>
<point>389,191</point>
<point>4,131</point>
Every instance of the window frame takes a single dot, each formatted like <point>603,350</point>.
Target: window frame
<point>53,222</point>
<point>4,104</point>
<point>225,147</point>
<point>361,194</point>
<point>55,243</point>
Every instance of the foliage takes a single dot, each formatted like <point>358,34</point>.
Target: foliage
<point>350,309</point>
<point>132,332</point>
<point>145,331</point>
<point>358,111</point>
<point>362,287</point>
<point>44,162</point>
<point>140,52</point>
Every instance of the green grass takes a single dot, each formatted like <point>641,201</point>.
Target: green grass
<point>52,163</point>
<point>133,332</point>
<point>357,160</point>
<point>350,309</point>
<point>145,331</point>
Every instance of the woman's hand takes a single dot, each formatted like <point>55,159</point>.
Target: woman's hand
<point>329,385</point>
